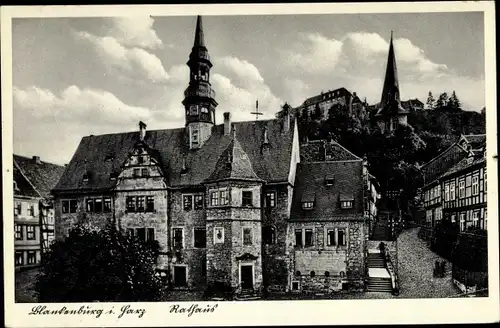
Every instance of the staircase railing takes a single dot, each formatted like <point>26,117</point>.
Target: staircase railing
<point>389,265</point>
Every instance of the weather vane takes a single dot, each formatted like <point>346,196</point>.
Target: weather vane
<point>257,113</point>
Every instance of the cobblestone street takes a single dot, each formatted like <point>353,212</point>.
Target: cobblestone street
<point>25,280</point>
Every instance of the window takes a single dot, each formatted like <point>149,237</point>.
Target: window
<point>140,204</point>
<point>270,199</point>
<point>72,205</point>
<point>90,205</point>
<point>178,238</point>
<point>19,258</point>
<point>462,222</point>
<point>308,238</point>
<point>18,209</point>
<point>214,198</point>
<point>140,159</point>
<point>446,192</point>
<point>137,173</point>
<point>218,235</point>
<point>341,240</point>
<point>194,136</point>
<point>187,201</point>
<point>475,219</point>
<point>295,285</point>
<point>461,189</point>
<point>18,231</point>
<point>150,234</point>
<point>485,219</point>
<point>31,257</point>
<point>313,274</point>
<point>346,204</point>
<point>30,232</point>
<point>107,204</point>
<point>452,191</point>
<point>145,172</point>
<point>268,235</point>
<point>298,237</point>
<point>140,233</point>
<point>330,238</point>
<point>327,273</point>
<point>475,185</point>
<point>485,184</point>
<point>307,205</point>
<point>32,210</point>
<point>224,199</point>
<point>131,231</point>
<point>200,238</point>
<point>98,205</point>
<point>329,181</point>
<point>194,109</point>
<point>247,198</point>
<point>247,236</point>
<point>204,109</point>
<point>130,203</point>
<point>453,218</point>
<point>198,202</point>
<point>150,204</point>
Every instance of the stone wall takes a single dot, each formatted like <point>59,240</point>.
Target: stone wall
<point>320,258</point>
<point>319,284</point>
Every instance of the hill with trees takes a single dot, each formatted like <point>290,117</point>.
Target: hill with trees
<point>395,158</point>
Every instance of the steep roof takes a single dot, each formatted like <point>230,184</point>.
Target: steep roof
<point>233,164</point>
<point>475,140</point>
<point>43,176</point>
<point>472,160</point>
<point>172,149</point>
<point>347,184</point>
<point>322,150</point>
<point>390,102</point>
<point>22,187</point>
<point>199,38</point>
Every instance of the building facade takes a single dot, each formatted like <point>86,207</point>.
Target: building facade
<point>437,191</point>
<point>33,209</point>
<point>219,199</point>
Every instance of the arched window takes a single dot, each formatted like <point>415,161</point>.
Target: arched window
<point>269,235</point>
<point>298,273</point>
<point>313,274</point>
<point>327,273</point>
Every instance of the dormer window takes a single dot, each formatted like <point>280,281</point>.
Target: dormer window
<point>85,177</point>
<point>329,181</point>
<point>109,158</point>
<point>137,173</point>
<point>113,176</point>
<point>308,201</point>
<point>346,204</point>
<point>307,205</point>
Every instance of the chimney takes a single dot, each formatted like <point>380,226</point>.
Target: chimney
<point>227,123</point>
<point>142,130</point>
<point>37,160</point>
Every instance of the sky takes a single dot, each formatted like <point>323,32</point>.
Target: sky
<point>74,77</point>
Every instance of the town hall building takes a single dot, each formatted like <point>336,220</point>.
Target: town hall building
<point>232,203</point>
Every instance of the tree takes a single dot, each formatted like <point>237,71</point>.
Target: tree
<point>442,101</point>
<point>431,102</point>
<point>454,102</point>
<point>99,265</point>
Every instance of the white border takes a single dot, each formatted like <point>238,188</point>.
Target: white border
<point>277,312</point>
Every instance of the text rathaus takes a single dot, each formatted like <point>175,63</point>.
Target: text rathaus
<point>238,203</point>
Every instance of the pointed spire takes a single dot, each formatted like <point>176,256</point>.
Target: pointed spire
<point>391,83</point>
<point>199,38</point>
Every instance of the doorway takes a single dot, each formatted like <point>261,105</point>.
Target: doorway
<point>246,279</point>
<point>180,276</point>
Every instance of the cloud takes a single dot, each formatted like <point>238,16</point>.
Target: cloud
<point>242,71</point>
<point>136,31</point>
<point>96,107</point>
<point>314,52</point>
<point>134,62</point>
<point>357,61</point>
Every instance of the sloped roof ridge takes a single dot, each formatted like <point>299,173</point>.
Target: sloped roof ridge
<point>347,150</point>
<point>18,167</point>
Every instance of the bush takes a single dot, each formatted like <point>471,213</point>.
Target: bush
<point>99,265</point>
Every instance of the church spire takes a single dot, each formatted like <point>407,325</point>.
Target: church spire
<point>199,38</point>
<point>390,92</point>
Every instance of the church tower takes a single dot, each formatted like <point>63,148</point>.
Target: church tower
<point>390,112</point>
<point>199,97</point>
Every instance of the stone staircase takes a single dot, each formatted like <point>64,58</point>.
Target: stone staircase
<point>377,284</point>
<point>378,279</point>
<point>247,295</point>
<point>375,260</point>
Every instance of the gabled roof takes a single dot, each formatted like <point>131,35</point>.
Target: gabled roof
<point>464,164</point>
<point>22,187</point>
<point>233,164</point>
<point>41,175</point>
<point>310,180</point>
<point>475,140</point>
<point>172,148</point>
